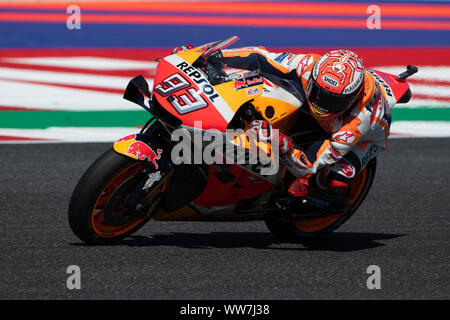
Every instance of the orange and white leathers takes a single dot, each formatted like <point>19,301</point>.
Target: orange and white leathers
<point>360,134</point>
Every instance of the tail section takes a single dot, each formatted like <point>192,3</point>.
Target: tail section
<point>396,88</point>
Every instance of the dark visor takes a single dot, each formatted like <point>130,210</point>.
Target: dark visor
<point>327,101</point>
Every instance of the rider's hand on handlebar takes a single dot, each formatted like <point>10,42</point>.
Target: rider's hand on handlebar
<point>182,48</point>
<point>262,129</point>
<point>264,132</point>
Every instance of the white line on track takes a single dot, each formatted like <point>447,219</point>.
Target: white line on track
<point>65,78</point>
<point>421,128</point>
<point>430,73</point>
<point>34,96</point>
<point>430,90</point>
<point>423,103</point>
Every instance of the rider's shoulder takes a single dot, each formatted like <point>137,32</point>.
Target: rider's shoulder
<point>370,90</point>
<point>305,63</point>
<point>244,51</point>
<point>363,107</point>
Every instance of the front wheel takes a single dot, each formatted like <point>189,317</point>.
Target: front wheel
<point>313,228</point>
<point>97,211</point>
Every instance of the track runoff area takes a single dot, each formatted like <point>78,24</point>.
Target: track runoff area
<point>76,95</point>
<point>62,79</point>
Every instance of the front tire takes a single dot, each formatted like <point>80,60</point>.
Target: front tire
<point>314,228</point>
<point>104,185</point>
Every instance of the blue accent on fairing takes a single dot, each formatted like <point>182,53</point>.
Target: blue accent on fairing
<point>56,35</point>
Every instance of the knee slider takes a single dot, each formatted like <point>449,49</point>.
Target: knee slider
<point>338,184</point>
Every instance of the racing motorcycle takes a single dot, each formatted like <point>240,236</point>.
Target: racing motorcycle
<point>137,180</point>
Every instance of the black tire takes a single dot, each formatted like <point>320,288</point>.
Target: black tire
<point>87,192</point>
<point>287,230</point>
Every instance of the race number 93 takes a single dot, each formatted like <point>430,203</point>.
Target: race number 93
<point>186,100</point>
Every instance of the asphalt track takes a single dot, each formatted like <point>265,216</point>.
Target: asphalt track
<point>403,227</point>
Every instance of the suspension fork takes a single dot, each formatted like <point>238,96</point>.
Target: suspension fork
<point>150,148</point>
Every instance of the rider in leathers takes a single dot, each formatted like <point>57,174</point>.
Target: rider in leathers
<point>344,99</point>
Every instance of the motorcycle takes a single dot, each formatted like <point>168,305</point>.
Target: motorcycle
<point>137,180</point>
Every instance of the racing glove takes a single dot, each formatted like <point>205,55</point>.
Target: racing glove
<point>295,158</point>
<point>264,132</point>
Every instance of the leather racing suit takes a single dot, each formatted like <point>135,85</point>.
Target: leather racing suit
<point>354,138</point>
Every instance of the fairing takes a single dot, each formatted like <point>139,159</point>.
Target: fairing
<point>192,95</point>
<point>393,88</point>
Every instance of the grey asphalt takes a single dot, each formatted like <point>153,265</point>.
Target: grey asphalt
<point>402,227</point>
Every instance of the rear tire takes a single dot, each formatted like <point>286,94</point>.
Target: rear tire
<point>314,228</point>
<point>94,192</point>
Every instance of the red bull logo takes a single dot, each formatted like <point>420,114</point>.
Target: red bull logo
<point>142,151</point>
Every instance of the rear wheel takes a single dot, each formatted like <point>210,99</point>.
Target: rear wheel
<point>97,211</point>
<point>320,226</point>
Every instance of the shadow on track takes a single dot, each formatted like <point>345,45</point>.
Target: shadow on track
<point>337,242</point>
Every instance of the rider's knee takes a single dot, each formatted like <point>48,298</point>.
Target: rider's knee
<point>338,185</point>
<point>340,177</point>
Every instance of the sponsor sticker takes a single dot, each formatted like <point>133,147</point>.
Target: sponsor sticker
<point>371,153</point>
<point>304,63</point>
<point>143,151</point>
<point>152,178</point>
<point>380,80</point>
<point>248,80</point>
<point>344,137</point>
<point>347,170</point>
<point>198,78</point>
<point>290,58</point>
<point>354,85</point>
<point>332,82</point>
<point>281,57</point>
<point>253,91</point>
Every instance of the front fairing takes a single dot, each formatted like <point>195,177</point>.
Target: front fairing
<point>193,96</point>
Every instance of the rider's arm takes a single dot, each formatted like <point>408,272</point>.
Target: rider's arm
<point>327,152</point>
<point>282,64</point>
<point>368,118</point>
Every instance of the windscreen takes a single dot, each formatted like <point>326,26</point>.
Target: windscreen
<point>212,64</point>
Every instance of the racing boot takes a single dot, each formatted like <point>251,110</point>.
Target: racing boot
<point>338,185</point>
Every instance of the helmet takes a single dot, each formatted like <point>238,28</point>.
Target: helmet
<point>335,83</point>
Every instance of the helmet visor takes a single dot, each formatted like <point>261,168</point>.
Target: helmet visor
<point>325,104</point>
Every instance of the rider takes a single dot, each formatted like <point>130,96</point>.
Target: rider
<point>347,103</point>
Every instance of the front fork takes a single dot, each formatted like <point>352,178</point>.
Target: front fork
<point>149,148</point>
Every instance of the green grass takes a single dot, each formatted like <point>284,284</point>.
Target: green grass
<point>421,114</point>
<point>45,119</point>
